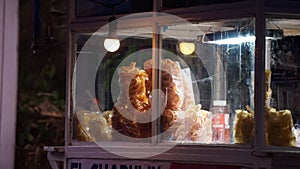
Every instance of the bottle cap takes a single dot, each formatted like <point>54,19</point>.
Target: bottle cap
<point>219,103</point>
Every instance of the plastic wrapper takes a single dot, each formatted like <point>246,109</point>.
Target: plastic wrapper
<point>193,125</point>
<point>93,126</point>
<point>171,82</point>
<point>189,98</point>
<point>126,74</point>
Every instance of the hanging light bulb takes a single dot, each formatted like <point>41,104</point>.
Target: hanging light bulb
<point>112,43</point>
<point>187,48</point>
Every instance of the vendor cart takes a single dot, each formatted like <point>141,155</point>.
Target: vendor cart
<point>192,84</point>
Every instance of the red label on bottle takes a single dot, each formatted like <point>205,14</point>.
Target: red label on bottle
<point>218,128</point>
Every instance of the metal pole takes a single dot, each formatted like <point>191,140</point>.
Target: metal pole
<point>156,74</point>
<point>260,158</point>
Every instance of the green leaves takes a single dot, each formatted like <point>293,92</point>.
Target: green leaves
<point>48,71</point>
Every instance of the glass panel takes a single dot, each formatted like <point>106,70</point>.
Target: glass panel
<point>212,78</point>
<point>283,82</point>
<point>170,4</point>
<point>100,79</point>
<point>87,8</point>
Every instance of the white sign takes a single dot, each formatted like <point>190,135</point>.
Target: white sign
<point>115,164</point>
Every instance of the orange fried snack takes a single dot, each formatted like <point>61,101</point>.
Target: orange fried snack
<point>128,127</point>
<point>137,92</point>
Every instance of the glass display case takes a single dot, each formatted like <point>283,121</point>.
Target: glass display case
<point>198,84</point>
<point>198,102</point>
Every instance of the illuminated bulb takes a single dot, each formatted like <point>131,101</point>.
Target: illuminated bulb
<point>111,45</point>
<point>187,48</point>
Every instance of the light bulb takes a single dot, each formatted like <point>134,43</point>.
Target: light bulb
<point>111,45</point>
<point>187,48</point>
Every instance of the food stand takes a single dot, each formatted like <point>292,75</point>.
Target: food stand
<point>164,87</point>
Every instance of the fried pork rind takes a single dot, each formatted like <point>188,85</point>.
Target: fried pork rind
<point>279,128</point>
<point>93,126</point>
<point>168,119</point>
<point>130,128</point>
<point>137,92</point>
<point>243,127</point>
<point>193,125</point>
<point>268,90</point>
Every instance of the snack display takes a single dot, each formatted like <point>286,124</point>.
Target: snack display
<point>279,123</point>
<point>279,127</point>
<point>137,85</point>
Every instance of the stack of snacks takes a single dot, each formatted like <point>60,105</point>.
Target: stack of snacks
<point>279,124</point>
<point>172,86</point>
<point>279,128</point>
<point>177,87</point>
